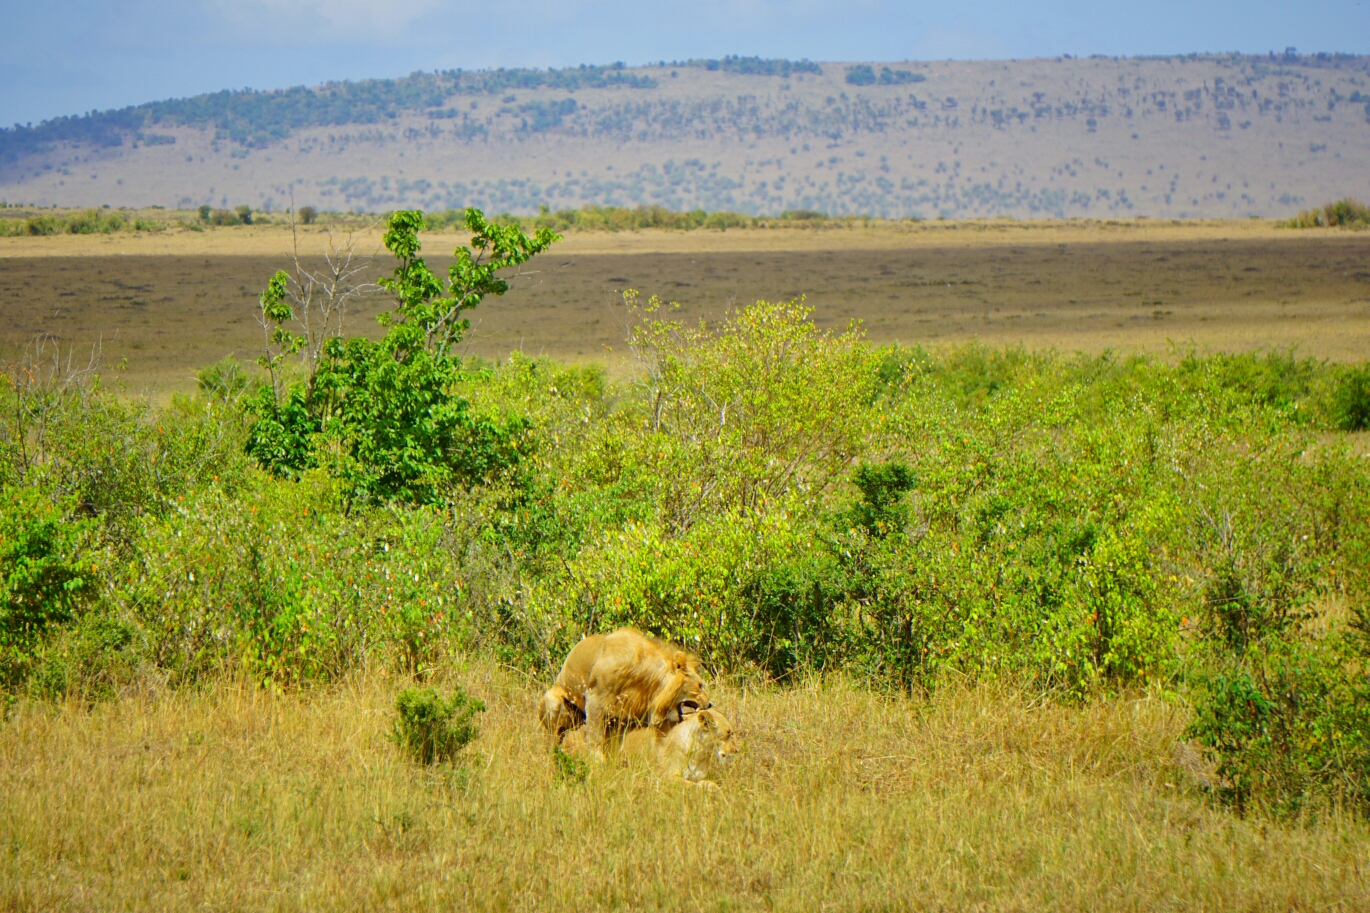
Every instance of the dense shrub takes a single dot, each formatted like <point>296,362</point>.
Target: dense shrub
<point>41,579</point>
<point>1351,399</point>
<point>384,415</point>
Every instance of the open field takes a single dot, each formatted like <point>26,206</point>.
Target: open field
<point>172,302</point>
<point>237,798</point>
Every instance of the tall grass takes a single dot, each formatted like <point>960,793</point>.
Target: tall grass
<point>986,797</point>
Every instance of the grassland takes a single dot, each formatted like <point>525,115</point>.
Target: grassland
<point>1018,688</point>
<point>239,798</point>
<point>171,302</point>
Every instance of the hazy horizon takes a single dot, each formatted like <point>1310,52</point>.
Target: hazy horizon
<point>73,56</point>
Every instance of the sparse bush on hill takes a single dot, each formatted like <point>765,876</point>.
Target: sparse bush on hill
<point>617,218</point>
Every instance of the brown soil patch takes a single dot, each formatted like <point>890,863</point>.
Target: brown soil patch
<point>171,303</point>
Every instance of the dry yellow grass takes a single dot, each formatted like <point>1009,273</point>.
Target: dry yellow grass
<point>239,798</point>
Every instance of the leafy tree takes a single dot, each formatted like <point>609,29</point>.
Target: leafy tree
<point>384,415</point>
<point>308,214</point>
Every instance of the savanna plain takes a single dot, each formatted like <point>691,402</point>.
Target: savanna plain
<point>1043,587</point>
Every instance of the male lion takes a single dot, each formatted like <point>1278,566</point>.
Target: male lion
<point>563,704</point>
<point>690,750</point>
<point>636,680</point>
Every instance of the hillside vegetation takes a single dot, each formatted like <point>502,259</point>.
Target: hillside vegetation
<point>1197,136</point>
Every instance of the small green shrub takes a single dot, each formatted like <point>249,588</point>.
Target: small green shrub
<point>91,659</point>
<point>225,380</point>
<point>433,729</point>
<point>307,214</point>
<point>45,225</point>
<point>570,769</point>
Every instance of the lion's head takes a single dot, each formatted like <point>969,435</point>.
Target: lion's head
<point>680,692</point>
<point>700,745</point>
<point>558,712</point>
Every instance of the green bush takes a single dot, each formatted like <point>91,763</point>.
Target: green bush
<point>432,729</point>
<point>41,577</point>
<point>1351,399</point>
<point>1347,212</point>
<point>384,415</point>
<point>308,214</point>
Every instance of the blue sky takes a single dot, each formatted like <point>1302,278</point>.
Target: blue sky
<point>71,56</point>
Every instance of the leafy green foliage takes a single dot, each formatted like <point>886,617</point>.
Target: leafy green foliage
<point>433,729</point>
<point>570,769</point>
<point>882,489</point>
<point>40,582</point>
<point>1351,401</point>
<point>384,415</point>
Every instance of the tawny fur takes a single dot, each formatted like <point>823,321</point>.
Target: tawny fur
<point>692,750</point>
<point>563,705</point>
<point>639,681</point>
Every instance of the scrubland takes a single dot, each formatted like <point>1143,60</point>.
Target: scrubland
<point>997,627</point>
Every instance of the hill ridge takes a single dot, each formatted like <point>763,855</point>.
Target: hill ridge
<point>1041,137</point>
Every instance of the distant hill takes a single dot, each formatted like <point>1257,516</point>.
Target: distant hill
<point>1194,136</point>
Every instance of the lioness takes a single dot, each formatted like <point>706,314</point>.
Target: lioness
<point>563,704</point>
<point>638,680</point>
<point>690,750</point>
